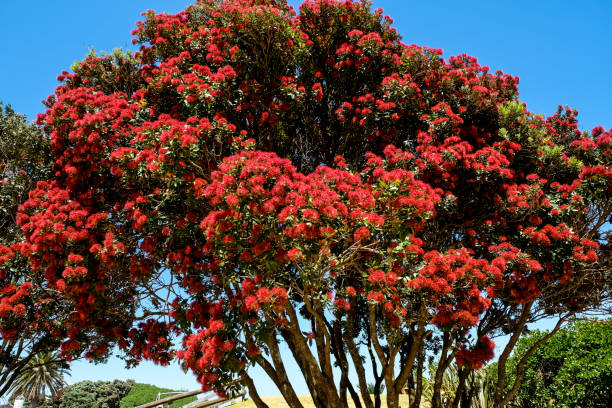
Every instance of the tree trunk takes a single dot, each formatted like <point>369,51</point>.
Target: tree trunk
<point>278,374</point>
<point>377,401</point>
<point>378,378</point>
<point>248,381</point>
<point>358,364</point>
<point>323,392</point>
<point>445,360</point>
<point>503,358</point>
<point>354,395</point>
<point>340,356</point>
<point>460,391</point>
<point>466,402</point>
<point>392,394</point>
<point>419,379</point>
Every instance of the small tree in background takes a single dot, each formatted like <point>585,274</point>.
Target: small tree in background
<point>253,177</point>
<point>99,394</point>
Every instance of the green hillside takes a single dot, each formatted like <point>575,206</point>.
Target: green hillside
<point>143,393</point>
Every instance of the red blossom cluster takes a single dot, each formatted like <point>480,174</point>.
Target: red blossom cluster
<point>477,356</point>
<point>10,302</point>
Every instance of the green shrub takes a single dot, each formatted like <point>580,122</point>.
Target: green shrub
<point>100,394</point>
<point>572,369</point>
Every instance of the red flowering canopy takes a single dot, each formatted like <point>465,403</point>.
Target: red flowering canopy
<point>253,175</point>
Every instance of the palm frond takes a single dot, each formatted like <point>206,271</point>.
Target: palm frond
<point>44,375</point>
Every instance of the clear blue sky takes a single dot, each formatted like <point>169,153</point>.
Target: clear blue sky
<point>561,50</point>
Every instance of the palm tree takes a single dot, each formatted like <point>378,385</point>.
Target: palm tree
<point>44,372</point>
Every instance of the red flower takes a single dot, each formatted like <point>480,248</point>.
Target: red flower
<point>251,303</point>
<point>232,200</point>
<point>377,276</point>
<point>295,254</point>
<point>361,234</point>
<point>264,295</point>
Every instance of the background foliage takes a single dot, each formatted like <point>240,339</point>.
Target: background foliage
<point>99,394</point>
<point>574,368</point>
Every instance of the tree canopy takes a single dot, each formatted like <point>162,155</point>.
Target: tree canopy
<point>254,175</point>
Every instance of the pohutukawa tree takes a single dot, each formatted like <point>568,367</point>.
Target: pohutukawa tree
<point>255,176</point>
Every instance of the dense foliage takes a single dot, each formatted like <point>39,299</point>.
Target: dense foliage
<point>253,175</point>
<point>25,158</point>
<point>99,394</point>
<point>27,306</point>
<point>142,393</point>
<point>574,368</point>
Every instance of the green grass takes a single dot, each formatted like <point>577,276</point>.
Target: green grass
<point>143,393</point>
